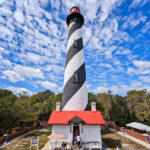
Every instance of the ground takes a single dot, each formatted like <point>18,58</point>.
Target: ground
<point>24,143</point>
<point>111,140</point>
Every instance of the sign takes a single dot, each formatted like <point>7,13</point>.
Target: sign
<point>34,142</point>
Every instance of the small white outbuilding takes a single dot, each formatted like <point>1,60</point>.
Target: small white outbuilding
<point>86,123</point>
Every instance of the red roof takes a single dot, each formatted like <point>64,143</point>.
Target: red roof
<point>63,117</point>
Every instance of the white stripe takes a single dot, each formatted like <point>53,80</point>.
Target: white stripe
<point>77,34</point>
<point>78,101</point>
<point>70,25</point>
<point>73,65</point>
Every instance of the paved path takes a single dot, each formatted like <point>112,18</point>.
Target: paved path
<point>47,146</point>
<point>17,138</point>
<point>134,139</point>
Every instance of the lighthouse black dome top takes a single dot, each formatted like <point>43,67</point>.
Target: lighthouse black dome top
<point>75,13</point>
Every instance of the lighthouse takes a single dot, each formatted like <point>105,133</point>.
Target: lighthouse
<point>72,119</point>
<point>75,97</point>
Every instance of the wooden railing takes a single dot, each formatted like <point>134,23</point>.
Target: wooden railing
<point>41,124</point>
<point>111,124</point>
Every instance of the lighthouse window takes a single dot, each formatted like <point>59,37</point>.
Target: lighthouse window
<point>76,77</point>
<point>75,45</point>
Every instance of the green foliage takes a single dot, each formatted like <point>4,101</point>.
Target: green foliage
<point>22,111</point>
<point>138,105</point>
<point>4,93</point>
<point>106,101</point>
<point>7,109</point>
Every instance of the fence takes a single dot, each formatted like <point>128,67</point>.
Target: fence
<point>18,133</point>
<point>111,124</point>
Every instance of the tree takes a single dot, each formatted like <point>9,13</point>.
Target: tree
<point>7,111</point>
<point>133,98</point>
<point>5,92</point>
<point>141,112</point>
<point>105,99</point>
<point>118,111</point>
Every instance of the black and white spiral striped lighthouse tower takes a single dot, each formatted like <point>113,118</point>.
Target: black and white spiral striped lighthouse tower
<point>75,97</point>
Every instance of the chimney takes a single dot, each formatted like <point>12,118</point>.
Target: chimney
<point>57,106</point>
<point>93,106</point>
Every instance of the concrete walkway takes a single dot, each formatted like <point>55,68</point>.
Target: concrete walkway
<point>133,139</point>
<point>16,138</point>
<point>47,146</point>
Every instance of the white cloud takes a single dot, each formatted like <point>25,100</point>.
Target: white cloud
<point>31,57</point>
<point>5,63</point>
<point>134,85</point>
<point>44,3</point>
<point>146,28</point>
<point>133,20</point>
<point>142,64</point>
<point>17,90</point>
<point>3,77</point>
<point>19,17</point>
<point>122,89</point>
<point>5,11</point>
<point>47,84</point>
<point>39,45</point>
<point>106,8</point>
<point>87,33</point>
<point>2,50</point>
<point>19,73</point>
<point>108,30</point>
<point>2,1</point>
<point>123,51</point>
<point>136,3</point>
<point>91,15</point>
<point>106,65</point>
<point>143,67</point>
<point>5,33</point>
<point>145,79</point>
<point>101,89</point>
<point>29,72</point>
<point>13,76</point>
<point>144,2</point>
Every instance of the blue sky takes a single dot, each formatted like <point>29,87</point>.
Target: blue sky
<point>33,39</point>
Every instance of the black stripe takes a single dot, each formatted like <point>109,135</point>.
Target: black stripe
<point>71,88</point>
<point>72,51</point>
<point>74,27</point>
<point>87,108</point>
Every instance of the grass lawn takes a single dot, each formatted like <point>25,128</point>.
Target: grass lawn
<point>112,139</point>
<point>24,143</point>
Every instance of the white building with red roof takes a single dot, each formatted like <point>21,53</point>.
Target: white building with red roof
<point>87,123</point>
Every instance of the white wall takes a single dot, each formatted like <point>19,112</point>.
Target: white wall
<point>61,129</point>
<point>91,132</point>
